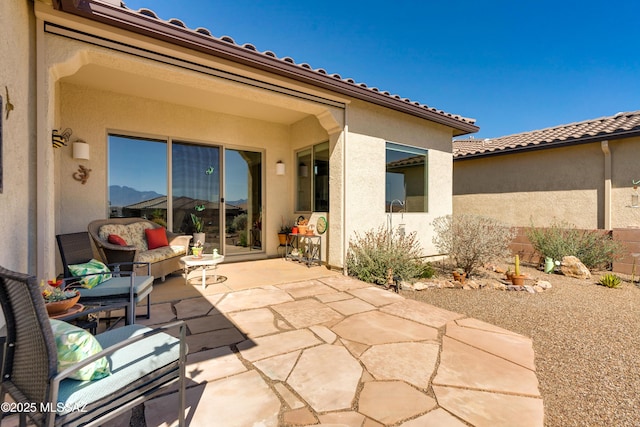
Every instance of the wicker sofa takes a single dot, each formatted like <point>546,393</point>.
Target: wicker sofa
<point>163,260</point>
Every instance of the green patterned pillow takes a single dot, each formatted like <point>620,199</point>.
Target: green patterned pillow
<point>93,266</point>
<point>74,345</point>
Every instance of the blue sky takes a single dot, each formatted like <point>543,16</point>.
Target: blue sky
<point>513,66</point>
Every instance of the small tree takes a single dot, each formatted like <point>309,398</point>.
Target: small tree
<point>471,240</point>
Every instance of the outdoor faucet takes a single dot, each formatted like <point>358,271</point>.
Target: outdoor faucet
<point>401,203</point>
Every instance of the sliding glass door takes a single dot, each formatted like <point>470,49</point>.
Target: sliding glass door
<point>243,201</point>
<point>195,189</point>
<point>192,200</point>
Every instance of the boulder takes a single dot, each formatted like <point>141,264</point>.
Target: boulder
<point>573,267</point>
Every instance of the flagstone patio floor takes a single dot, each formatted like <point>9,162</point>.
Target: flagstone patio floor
<point>276,346</point>
<point>338,351</point>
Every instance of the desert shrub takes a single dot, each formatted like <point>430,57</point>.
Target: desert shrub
<point>610,280</point>
<point>372,253</point>
<point>471,240</point>
<point>427,271</point>
<point>594,248</point>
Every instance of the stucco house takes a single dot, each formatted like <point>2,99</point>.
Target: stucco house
<point>583,173</point>
<point>199,123</point>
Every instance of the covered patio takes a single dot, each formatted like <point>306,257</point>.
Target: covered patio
<point>279,344</point>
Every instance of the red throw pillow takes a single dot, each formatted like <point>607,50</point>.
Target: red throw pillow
<point>116,240</point>
<point>156,237</point>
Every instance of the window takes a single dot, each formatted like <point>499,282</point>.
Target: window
<point>138,178</point>
<point>313,178</point>
<point>406,178</point>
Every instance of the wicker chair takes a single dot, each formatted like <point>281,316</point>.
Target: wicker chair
<point>75,248</point>
<point>142,360</point>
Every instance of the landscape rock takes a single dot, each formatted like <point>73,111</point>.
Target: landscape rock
<point>543,284</point>
<point>571,266</point>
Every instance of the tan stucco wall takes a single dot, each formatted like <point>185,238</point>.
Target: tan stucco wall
<point>540,186</point>
<point>92,114</point>
<point>17,200</point>
<point>370,127</point>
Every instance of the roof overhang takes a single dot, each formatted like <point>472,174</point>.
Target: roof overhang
<point>138,23</point>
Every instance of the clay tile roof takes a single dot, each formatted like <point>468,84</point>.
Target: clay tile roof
<point>621,125</point>
<point>105,11</point>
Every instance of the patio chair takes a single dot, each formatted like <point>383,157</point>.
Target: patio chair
<point>125,286</point>
<point>142,362</point>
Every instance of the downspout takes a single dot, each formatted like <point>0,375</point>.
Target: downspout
<point>607,184</point>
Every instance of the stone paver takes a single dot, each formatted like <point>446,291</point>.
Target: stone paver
<point>307,312</point>
<point>272,345</point>
<point>464,366</point>
<point>307,289</point>
<point>326,377</point>
<point>410,362</point>
<point>255,323</point>
<point>375,327</point>
<point>393,401</point>
<point>208,323</point>
<point>252,298</point>
<point>436,418</point>
<point>335,351</point>
<point>278,367</point>
<point>517,349</point>
<point>194,307</point>
<point>484,409</point>
<point>214,339</point>
<point>376,296</point>
<point>421,313</point>
<point>351,306</point>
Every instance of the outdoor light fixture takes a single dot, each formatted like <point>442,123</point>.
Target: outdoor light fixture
<point>80,150</point>
<point>280,168</point>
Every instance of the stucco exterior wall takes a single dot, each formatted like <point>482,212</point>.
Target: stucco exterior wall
<point>558,184</point>
<point>370,127</point>
<point>534,187</point>
<point>92,114</point>
<point>18,198</point>
<point>625,167</point>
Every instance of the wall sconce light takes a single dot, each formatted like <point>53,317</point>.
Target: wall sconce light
<point>81,150</point>
<point>303,170</point>
<point>280,168</point>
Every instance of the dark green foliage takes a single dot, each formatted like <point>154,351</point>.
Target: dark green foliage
<point>594,248</point>
<point>373,253</point>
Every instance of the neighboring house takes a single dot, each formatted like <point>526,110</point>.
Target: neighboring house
<point>582,173</point>
<point>177,112</point>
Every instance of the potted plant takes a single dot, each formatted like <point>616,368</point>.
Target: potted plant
<point>56,299</point>
<point>459,275</point>
<point>517,279</point>
<point>197,249</point>
<point>303,225</point>
<point>509,273</point>
<point>283,234</point>
<point>198,228</point>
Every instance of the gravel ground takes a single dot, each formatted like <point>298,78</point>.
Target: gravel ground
<point>586,339</point>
